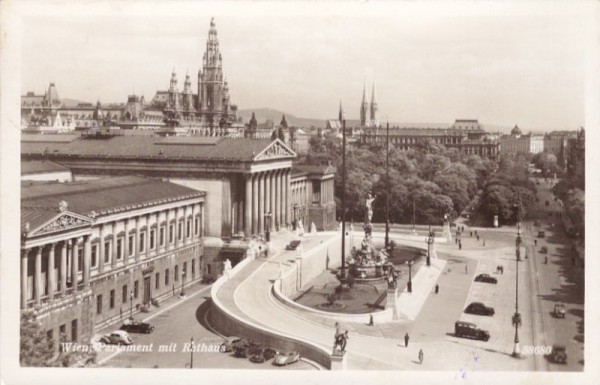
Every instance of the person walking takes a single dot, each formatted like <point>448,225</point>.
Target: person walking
<point>466,269</point>
<point>471,233</point>
<point>484,242</point>
<point>437,288</point>
<point>371,323</point>
<point>459,245</point>
<point>477,237</point>
<point>421,356</point>
<point>406,338</point>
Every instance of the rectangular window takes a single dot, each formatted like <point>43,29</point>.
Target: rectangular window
<point>124,294</point>
<point>196,226</point>
<point>180,231</point>
<point>188,228</point>
<point>193,267</point>
<point>74,331</point>
<point>131,243</point>
<point>106,251</point>
<point>162,236</point>
<point>62,331</point>
<point>176,278</point>
<point>99,304</point>
<point>152,235</point>
<point>166,277</point>
<point>142,242</point>
<point>316,198</point>
<point>170,233</point>
<point>94,255</point>
<point>157,281</point>
<point>119,248</point>
<point>80,259</point>
<point>136,289</point>
<point>50,335</point>
<point>112,299</point>
<point>208,269</point>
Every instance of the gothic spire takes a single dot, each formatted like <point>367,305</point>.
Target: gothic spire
<point>340,113</point>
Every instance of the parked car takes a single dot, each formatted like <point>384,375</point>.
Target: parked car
<point>547,203</point>
<point>559,310</point>
<point>480,309</point>
<point>292,245</point>
<point>243,346</point>
<point>286,358</point>
<point>117,337</point>
<point>137,327</point>
<point>227,345</point>
<point>470,330</point>
<point>541,234</point>
<point>559,354</point>
<point>485,278</point>
<point>544,250</point>
<point>256,355</point>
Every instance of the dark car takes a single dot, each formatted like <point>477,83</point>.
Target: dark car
<point>256,355</point>
<point>470,330</point>
<point>286,358</point>
<point>541,234</point>
<point>137,327</point>
<point>559,354</point>
<point>227,345</point>
<point>243,347</point>
<point>544,250</point>
<point>479,309</point>
<point>292,245</point>
<point>559,310</point>
<point>485,278</point>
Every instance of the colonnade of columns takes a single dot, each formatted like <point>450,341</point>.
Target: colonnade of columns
<point>266,192</point>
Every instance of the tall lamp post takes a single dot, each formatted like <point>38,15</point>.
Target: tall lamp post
<point>429,243</point>
<point>409,285</point>
<point>190,365</point>
<point>343,270</point>
<point>131,304</point>
<point>516,319</point>
<point>387,187</point>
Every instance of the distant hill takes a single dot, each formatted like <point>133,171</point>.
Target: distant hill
<point>263,114</point>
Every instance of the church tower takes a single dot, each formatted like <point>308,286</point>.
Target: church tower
<point>364,107</point>
<point>211,89</point>
<point>187,93</point>
<point>373,120</point>
<point>173,91</point>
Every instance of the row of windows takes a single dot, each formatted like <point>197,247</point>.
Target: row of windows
<point>142,243</point>
<point>127,295</point>
<point>62,331</point>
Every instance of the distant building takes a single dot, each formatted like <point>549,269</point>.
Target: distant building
<point>368,112</point>
<point>312,189</point>
<point>471,140</point>
<point>516,142</point>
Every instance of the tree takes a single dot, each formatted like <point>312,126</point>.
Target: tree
<point>575,209</point>
<point>35,348</point>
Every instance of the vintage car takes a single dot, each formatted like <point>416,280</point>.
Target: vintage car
<point>470,330</point>
<point>559,310</point>
<point>286,358</point>
<point>117,337</point>
<point>137,327</point>
<point>242,347</point>
<point>541,234</point>
<point>293,245</point>
<point>479,309</point>
<point>258,354</point>
<point>485,278</point>
<point>559,354</point>
<point>227,345</point>
<point>544,250</point>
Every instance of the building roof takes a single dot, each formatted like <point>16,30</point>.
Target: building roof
<point>396,131</point>
<point>313,169</point>
<point>29,167</point>
<point>40,201</point>
<point>124,146</point>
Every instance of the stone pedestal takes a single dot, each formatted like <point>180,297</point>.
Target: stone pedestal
<point>495,221</point>
<point>431,250</point>
<point>392,295</point>
<point>447,231</point>
<point>338,360</point>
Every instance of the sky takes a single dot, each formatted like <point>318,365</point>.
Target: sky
<point>501,63</point>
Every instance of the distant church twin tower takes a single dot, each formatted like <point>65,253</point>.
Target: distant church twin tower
<point>371,119</point>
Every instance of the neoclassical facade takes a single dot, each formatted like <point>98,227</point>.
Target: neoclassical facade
<point>92,252</point>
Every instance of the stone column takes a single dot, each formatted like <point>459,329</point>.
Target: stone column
<point>51,273</point>
<point>282,199</point>
<point>147,236</point>
<point>87,254</point>
<point>101,251</point>
<point>24,256</point>
<point>287,197</point>
<point>255,204</point>
<point>113,260</point>
<point>126,242</point>
<point>248,207</point>
<point>63,268</point>
<point>268,184</point>
<point>37,275</point>
<point>261,203</point>
<point>185,222</point>
<point>136,244</point>
<point>75,264</point>
<point>277,189</point>
<point>167,246</point>
<point>273,201</point>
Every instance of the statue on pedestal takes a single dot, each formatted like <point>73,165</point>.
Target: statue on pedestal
<point>369,204</point>
<point>340,339</point>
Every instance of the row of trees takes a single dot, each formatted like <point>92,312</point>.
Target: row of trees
<point>571,191</point>
<point>438,180</point>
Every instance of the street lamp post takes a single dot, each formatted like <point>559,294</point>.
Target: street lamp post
<point>387,187</point>
<point>409,285</point>
<point>516,319</point>
<point>182,283</point>
<point>343,269</point>
<point>131,304</point>
<point>190,365</point>
<point>429,242</point>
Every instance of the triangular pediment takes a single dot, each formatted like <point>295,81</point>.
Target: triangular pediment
<point>65,220</point>
<point>276,150</point>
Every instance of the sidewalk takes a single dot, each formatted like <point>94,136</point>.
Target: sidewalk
<point>409,304</point>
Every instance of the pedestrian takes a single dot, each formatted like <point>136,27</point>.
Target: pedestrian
<point>456,240</point>
<point>406,338</point>
<point>421,356</point>
<point>466,269</point>
<point>371,323</point>
<point>471,233</point>
<point>484,242</point>
<point>477,238</point>
<point>459,245</point>
<point>535,242</point>
<point>437,288</point>
<point>501,269</point>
